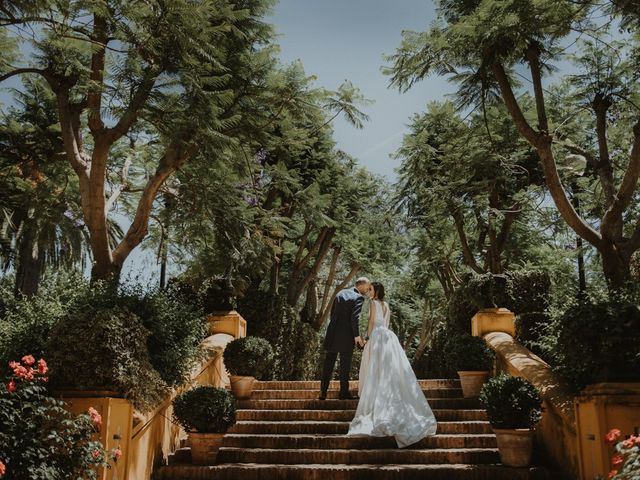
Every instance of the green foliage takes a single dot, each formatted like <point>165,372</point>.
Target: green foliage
<point>435,362</point>
<point>205,410</point>
<point>249,356</point>
<point>511,402</point>
<point>40,439</point>
<point>528,291</point>
<point>469,353</point>
<point>596,339</point>
<point>530,328</point>
<point>105,349</point>
<point>487,291</point>
<point>26,322</point>
<point>296,345</point>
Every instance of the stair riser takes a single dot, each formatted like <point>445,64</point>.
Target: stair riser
<point>338,472</point>
<point>442,403</point>
<point>333,394</point>
<point>339,442</point>
<point>345,415</point>
<point>335,385</point>
<point>352,457</point>
<point>341,428</point>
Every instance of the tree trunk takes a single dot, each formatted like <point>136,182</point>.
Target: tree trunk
<point>616,265</point>
<point>30,262</point>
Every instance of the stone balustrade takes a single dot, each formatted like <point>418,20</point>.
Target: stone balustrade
<point>572,429</point>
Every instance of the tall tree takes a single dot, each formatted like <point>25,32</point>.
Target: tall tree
<point>125,73</point>
<point>482,42</point>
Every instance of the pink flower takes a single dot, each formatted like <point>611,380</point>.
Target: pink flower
<point>612,436</point>
<point>96,454</point>
<point>21,372</point>
<point>3,468</point>
<point>96,418</point>
<point>117,453</point>
<point>13,365</point>
<point>612,474</point>
<point>28,360</point>
<point>11,386</point>
<point>629,442</point>
<point>42,367</point>
<point>617,460</point>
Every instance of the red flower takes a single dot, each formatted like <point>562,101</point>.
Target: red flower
<point>13,365</point>
<point>21,372</point>
<point>28,360</point>
<point>96,454</point>
<point>11,386</point>
<point>617,460</point>
<point>42,367</point>
<point>96,418</point>
<point>612,436</point>
<point>3,468</point>
<point>612,474</point>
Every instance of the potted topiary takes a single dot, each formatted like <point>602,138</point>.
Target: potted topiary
<point>247,358</point>
<point>514,407</point>
<point>473,360</point>
<point>205,413</point>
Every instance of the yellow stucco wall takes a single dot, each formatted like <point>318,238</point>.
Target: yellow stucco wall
<point>146,440</point>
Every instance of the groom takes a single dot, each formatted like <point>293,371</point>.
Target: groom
<point>343,333</point>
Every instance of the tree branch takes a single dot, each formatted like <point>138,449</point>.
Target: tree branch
<point>467,254</point>
<point>533,57</point>
<point>512,105</point>
<point>176,155</point>
<point>20,71</point>
<point>628,184</point>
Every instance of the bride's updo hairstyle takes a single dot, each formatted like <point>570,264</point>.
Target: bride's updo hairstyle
<point>378,290</point>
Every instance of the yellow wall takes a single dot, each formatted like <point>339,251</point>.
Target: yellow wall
<point>146,440</point>
<point>572,429</point>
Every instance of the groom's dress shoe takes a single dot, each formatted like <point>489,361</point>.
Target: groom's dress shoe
<point>323,396</point>
<point>348,397</point>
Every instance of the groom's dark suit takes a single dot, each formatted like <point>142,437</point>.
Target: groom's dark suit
<point>342,330</point>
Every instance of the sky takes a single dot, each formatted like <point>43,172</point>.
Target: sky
<point>347,39</point>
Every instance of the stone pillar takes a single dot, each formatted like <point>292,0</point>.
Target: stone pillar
<point>598,409</point>
<point>493,320</point>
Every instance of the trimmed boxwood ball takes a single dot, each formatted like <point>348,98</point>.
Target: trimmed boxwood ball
<point>205,410</point>
<point>469,353</point>
<point>248,356</point>
<point>511,402</point>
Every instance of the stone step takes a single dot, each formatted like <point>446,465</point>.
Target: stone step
<point>347,415</point>
<point>341,428</point>
<point>250,471</point>
<point>344,442</point>
<point>335,385</point>
<point>312,394</point>
<point>332,404</point>
<point>355,456</point>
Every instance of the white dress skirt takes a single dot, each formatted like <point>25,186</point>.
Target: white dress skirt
<point>391,400</point>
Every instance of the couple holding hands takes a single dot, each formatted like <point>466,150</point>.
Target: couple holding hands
<point>391,402</point>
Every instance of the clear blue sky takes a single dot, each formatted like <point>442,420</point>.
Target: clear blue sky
<point>346,39</point>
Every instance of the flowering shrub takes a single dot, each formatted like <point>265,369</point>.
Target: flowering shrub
<point>39,438</point>
<point>626,461</point>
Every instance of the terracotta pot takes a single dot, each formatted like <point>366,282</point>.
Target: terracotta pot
<point>204,447</point>
<point>515,446</point>
<point>472,382</point>
<point>241,386</point>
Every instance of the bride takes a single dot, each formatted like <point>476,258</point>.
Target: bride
<point>391,400</point>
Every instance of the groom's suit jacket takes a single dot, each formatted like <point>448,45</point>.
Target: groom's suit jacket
<point>345,318</point>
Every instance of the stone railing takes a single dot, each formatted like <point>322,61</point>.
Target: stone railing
<point>147,439</point>
<point>572,428</point>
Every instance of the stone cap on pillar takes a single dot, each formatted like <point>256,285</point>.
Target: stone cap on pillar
<point>227,322</point>
<point>493,320</point>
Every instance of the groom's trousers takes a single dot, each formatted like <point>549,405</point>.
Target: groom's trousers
<point>345,370</point>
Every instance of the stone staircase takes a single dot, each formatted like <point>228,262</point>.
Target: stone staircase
<point>284,432</point>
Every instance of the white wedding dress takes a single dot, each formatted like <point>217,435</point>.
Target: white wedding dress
<point>391,400</point>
